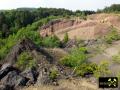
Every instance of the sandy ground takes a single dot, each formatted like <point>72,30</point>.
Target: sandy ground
<point>107,55</point>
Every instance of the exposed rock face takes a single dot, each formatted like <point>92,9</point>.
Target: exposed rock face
<point>27,45</point>
<point>95,26</point>
<point>14,79</point>
<point>11,78</point>
<point>23,45</point>
<point>52,26</point>
<point>71,43</point>
<point>6,68</point>
<point>31,74</point>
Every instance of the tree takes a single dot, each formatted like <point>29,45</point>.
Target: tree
<point>66,38</point>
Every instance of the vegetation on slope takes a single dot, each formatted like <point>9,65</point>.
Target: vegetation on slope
<point>25,60</point>
<point>113,35</point>
<point>12,20</point>
<point>75,58</point>
<point>29,31</point>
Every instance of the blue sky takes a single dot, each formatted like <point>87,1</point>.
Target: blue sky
<point>68,4</point>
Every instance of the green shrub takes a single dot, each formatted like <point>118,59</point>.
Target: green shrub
<point>25,60</point>
<point>51,41</point>
<point>86,68</point>
<point>76,57</point>
<point>102,69</point>
<point>112,36</point>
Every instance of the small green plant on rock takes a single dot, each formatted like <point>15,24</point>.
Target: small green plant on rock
<point>53,74</point>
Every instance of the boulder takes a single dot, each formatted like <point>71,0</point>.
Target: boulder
<point>31,74</point>
<point>5,69</point>
<point>14,79</point>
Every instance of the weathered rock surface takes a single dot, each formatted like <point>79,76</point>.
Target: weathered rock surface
<point>95,26</point>
<point>14,79</point>
<point>55,25</point>
<point>31,74</point>
<point>6,68</point>
<point>25,44</point>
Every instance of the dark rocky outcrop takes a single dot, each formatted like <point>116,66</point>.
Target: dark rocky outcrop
<point>31,74</point>
<point>23,45</point>
<point>10,77</point>
<point>6,68</point>
<point>27,45</point>
<point>14,79</point>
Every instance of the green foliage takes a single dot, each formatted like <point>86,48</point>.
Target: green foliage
<point>29,32</point>
<point>25,60</point>
<point>53,74</point>
<point>66,38</point>
<point>11,21</point>
<point>102,69</point>
<point>6,45</point>
<point>113,8</point>
<point>75,58</point>
<point>85,68</point>
<point>116,59</point>
<point>51,41</point>
<point>112,36</point>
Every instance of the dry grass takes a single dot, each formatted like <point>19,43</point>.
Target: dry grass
<point>73,84</point>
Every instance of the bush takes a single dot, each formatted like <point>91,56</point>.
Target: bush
<point>86,68</point>
<point>112,36</point>
<point>76,57</point>
<point>51,41</point>
<point>25,60</point>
